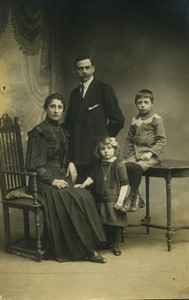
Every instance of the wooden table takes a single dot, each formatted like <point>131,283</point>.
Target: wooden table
<point>168,169</point>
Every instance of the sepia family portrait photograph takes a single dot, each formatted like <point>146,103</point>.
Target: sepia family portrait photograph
<point>94,159</point>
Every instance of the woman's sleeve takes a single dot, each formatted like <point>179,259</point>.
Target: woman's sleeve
<point>36,151</point>
<point>36,156</point>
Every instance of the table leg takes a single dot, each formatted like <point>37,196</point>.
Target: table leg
<point>168,202</point>
<point>147,219</point>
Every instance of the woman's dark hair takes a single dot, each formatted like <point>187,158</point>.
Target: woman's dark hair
<point>144,94</point>
<point>51,97</point>
<point>83,57</point>
<point>106,141</point>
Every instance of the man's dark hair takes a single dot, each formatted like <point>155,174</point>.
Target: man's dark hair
<point>83,57</point>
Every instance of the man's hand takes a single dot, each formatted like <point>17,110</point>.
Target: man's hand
<point>72,171</point>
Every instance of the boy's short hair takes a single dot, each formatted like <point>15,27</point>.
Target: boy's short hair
<point>144,93</point>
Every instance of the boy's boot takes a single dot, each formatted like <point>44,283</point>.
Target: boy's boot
<point>135,172</point>
<point>116,238</point>
<point>137,202</point>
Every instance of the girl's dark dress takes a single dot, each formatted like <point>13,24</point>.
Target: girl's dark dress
<point>72,224</point>
<point>108,178</point>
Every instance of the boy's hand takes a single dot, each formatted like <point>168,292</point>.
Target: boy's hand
<point>146,156</point>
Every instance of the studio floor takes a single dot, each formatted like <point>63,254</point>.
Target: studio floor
<point>145,270</point>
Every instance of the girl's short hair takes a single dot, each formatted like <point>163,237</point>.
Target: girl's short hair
<point>107,141</point>
<point>51,97</point>
<point>144,94</point>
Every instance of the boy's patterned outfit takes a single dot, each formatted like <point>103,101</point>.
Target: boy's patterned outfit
<point>146,135</point>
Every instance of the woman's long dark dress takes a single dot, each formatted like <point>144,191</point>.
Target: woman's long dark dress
<point>72,224</point>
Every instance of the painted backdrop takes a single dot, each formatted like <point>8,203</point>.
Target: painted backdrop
<point>135,44</point>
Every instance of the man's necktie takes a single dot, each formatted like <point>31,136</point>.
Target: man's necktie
<point>82,90</point>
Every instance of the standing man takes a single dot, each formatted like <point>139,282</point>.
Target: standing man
<point>93,112</point>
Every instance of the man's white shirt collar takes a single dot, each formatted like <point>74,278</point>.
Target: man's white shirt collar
<point>86,85</point>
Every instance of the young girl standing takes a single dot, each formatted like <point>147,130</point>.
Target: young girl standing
<point>110,181</point>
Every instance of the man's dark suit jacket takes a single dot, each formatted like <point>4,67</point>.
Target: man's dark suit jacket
<point>96,115</point>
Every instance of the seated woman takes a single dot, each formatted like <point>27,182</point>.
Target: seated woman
<point>72,225</point>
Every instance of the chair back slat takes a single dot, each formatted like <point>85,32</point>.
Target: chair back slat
<point>11,154</point>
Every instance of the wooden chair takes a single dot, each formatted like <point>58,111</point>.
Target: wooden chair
<point>13,183</point>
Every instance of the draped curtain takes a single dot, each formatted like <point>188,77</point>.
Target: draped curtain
<point>32,27</point>
<point>28,22</point>
<point>39,27</point>
<point>32,30</point>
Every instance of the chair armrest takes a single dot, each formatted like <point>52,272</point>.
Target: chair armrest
<point>33,174</point>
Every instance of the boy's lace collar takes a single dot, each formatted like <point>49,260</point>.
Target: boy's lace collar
<point>139,121</point>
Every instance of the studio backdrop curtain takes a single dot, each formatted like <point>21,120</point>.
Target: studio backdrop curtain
<point>28,19</point>
<point>32,31</point>
<point>4,12</point>
<point>36,28</point>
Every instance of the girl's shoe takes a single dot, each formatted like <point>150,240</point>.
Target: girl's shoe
<point>116,250</point>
